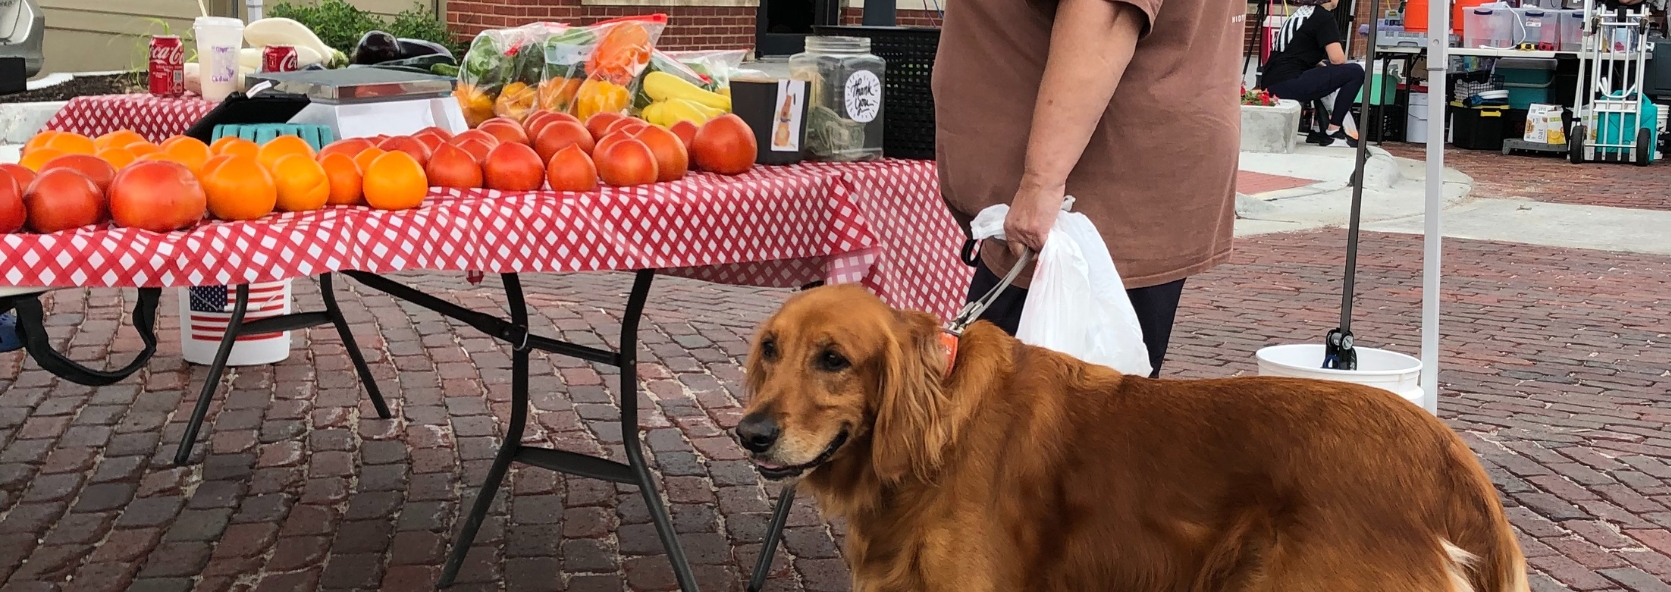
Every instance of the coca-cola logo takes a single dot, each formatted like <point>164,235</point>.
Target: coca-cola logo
<point>168,52</point>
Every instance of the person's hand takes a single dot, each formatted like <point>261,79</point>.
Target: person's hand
<point>1032,214</point>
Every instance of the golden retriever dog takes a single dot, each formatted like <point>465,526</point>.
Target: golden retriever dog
<point>1020,469</point>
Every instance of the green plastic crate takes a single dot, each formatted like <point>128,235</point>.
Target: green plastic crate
<point>1386,90</point>
<point>317,136</point>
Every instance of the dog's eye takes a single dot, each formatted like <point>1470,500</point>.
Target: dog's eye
<point>832,362</point>
<point>768,349</point>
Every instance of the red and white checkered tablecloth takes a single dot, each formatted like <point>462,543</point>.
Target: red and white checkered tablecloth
<point>154,117</point>
<point>881,223</point>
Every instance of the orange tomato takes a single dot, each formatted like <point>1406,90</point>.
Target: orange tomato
<point>686,131</point>
<point>346,183</point>
<point>570,169</point>
<point>62,199</point>
<point>234,145</point>
<point>301,183</point>
<point>513,167</point>
<point>19,173</point>
<point>240,189</point>
<point>505,132</point>
<point>188,151</point>
<point>157,196</point>
<point>117,157</point>
<point>281,147</point>
<point>599,124</point>
<point>349,147</point>
<point>38,158</point>
<point>40,140</point>
<point>626,162</point>
<point>140,149</point>
<point>13,214</point>
<point>671,159</point>
<point>724,145</point>
<point>395,181</point>
<point>95,168</point>
<point>69,143</point>
<point>409,145</point>
<point>117,139</point>
<point>559,135</point>
<point>364,158</point>
<point>214,161</point>
<point>453,167</point>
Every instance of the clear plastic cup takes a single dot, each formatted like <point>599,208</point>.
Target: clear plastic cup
<point>218,41</point>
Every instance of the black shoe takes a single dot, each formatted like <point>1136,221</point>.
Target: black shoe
<point>1339,139</point>
<point>1318,138</point>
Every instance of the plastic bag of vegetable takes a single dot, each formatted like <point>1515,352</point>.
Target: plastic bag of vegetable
<point>707,70</point>
<point>501,70</point>
<point>586,75</point>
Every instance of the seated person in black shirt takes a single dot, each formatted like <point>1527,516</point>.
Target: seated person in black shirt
<point>1297,70</point>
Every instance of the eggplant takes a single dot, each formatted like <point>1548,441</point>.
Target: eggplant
<point>376,47</point>
<point>411,48</point>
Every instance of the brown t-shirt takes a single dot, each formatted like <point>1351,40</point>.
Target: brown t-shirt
<point>1158,177</point>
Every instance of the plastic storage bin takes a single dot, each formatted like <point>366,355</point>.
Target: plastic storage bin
<point>1477,128</point>
<point>1527,80</point>
<point>1572,30</point>
<point>1540,28</point>
<point>1488,27</point>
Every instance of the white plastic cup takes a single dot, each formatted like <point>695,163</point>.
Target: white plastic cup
<point>218,40</point>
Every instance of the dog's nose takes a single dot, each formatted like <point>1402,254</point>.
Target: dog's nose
<point>757,432</point>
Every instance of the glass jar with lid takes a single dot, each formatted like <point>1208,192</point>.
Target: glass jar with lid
<point>844,115</point>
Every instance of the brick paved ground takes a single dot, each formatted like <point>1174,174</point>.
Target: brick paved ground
<point>1556,370</point>
<point>1548,178</point>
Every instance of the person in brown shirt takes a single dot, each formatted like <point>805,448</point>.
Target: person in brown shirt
<point>1130,106</point>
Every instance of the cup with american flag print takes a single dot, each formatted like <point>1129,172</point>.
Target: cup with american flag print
<point>206,310</point>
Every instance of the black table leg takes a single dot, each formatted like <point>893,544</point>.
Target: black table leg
<point>774,533</point>
<point>234,328</point>
<point>354,354</point>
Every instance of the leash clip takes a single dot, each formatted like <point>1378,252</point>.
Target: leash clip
<point>973,310</point>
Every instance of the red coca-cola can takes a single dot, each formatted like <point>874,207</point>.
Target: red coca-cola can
<point>278,58</point>
<point>168,66</point>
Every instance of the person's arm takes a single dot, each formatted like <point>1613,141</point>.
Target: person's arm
<point>1337,56</point>
<point>1091,44</point>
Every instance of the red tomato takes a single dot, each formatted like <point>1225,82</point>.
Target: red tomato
<point>407,144</point>
<point>559,135</point>
<point>627,124</point>
<point>599,124</point>
<point>724,145</point>
<point>671,159</point>
<point>513,167</point>
<point>475,134</point>
<point>12,212</point>
<point>62,199</point>
<point>452,166</point>
<point>626,162</point>
<point>93,167</point>
<point>686,132</point>
<point>19,173</point>
<point>477,148</point>
<point>570,169</point>
<point>506,131</point>
<point>350,147</point>
<point>534,119</point>
<point>435,131</point>
<point>157,195</point>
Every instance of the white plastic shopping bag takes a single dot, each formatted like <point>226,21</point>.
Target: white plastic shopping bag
<point>1077,303</point>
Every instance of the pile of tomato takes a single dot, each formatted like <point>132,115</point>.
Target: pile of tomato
<point>66,181</point>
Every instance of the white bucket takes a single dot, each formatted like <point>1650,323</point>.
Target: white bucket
<point>1415,119</point>
<point>1379,368</point>
<point>218,40</point>
<point>202,325</point>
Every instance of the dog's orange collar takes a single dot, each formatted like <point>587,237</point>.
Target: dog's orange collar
<point>948,340</point>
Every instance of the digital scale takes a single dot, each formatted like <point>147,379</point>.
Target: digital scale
<point>362,102</point>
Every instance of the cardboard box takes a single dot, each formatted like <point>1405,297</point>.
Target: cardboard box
<point>1544,125</point>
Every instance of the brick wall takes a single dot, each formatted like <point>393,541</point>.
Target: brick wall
<point>689,27</point>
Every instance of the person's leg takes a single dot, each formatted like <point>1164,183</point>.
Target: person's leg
<point>1157,307</point>
<point>1005,311</point>
<point>1349,79</point>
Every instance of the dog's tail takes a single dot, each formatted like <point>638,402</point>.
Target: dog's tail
<point>1482,553</point>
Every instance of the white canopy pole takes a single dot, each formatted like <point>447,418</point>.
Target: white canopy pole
<point>1438,61</point>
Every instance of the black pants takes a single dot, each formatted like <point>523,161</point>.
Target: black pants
<point>1317,83</point>
<point>1156,306</point>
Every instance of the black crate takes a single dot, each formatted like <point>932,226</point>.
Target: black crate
<point>1478,128</point>
<point>1385,124</point>
<point>907,89</point>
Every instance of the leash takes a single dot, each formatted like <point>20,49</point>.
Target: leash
<point>953,331</point>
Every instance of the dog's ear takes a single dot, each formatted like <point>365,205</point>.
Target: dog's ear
<point>913,426</point>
